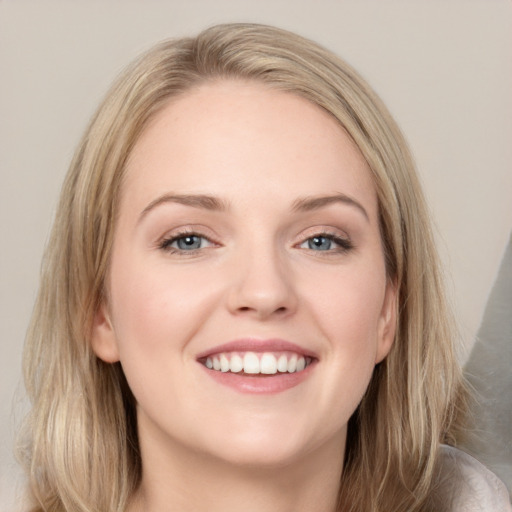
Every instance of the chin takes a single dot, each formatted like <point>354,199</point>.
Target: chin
<point>265,446</point>
<point>262,455</point>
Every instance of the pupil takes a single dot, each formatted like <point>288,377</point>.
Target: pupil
<point>320,242</point>
<point>189,242</point>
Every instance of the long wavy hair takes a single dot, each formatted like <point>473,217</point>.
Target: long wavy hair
<point>79,443</point>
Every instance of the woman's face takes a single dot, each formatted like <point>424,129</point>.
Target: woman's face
<point>248,299</point>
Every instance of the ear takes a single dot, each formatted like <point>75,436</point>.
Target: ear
<point>387,322</point>
<point>103,339</point>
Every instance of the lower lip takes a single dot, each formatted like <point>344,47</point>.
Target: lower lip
<point>260,384</point>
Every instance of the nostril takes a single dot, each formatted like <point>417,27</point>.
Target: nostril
<point>262,311</point>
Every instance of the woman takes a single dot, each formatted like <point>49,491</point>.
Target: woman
<point>240,303</point>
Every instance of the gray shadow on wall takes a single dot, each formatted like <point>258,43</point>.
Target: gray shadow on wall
<point>489,371</point>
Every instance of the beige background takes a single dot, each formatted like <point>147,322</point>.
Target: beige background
<point>443,67</point>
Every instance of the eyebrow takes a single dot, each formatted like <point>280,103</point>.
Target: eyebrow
<point>307,204</point>
<point>202,201</point>
<point>213,203</point>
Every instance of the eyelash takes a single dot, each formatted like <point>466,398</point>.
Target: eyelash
<point>166,243</point>
<point>344,245</point>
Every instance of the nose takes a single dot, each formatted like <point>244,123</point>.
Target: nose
<point>262,286</point>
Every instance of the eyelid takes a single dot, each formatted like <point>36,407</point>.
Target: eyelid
<point>164,242</point>
<point>339,237</point>
<point>323,230</point>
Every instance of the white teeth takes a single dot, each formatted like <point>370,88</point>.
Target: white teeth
<point>292,364</point>
<point>268,364</point>
<point>282,364</point>
<point>236,365</point>
<point>224,363</point>
<point>251,363</point>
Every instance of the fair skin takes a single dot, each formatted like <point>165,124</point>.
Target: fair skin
<point>247,217</point>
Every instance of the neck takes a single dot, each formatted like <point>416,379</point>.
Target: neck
<point>190,481</point>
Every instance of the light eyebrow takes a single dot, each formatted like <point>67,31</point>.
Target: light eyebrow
<point>307,204</point>
<point>202,201</point>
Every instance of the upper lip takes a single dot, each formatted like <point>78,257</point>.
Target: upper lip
<point>257,345</point>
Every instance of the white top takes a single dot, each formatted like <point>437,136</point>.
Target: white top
<point>476,489</point>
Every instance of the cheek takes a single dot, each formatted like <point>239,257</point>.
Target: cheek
<point>348,304</point>
<point>156,311</point>
<point>347,308</point>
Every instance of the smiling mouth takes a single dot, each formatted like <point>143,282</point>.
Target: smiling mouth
<point>254,363</point>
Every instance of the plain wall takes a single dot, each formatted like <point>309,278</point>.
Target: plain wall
<point>444,68</point>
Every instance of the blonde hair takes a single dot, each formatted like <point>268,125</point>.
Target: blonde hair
<point>81,449</point>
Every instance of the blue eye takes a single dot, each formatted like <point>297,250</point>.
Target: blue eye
<point>184,243</point>
<point>327,243</point>
<point>319,243</point>
<point>189,242</point>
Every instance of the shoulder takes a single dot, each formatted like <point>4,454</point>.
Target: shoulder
<point>470,485</point>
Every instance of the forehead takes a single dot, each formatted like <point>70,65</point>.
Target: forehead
<point>228,136</point>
